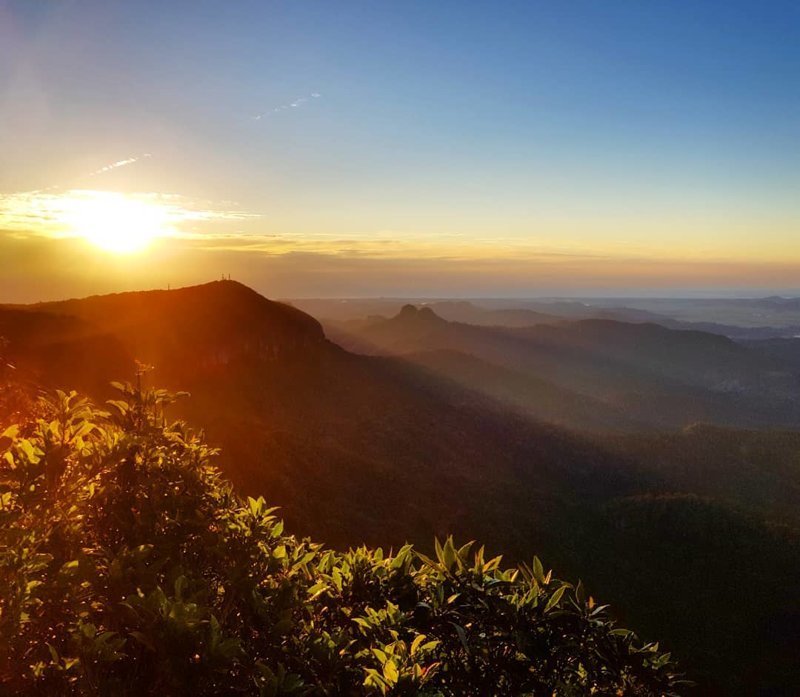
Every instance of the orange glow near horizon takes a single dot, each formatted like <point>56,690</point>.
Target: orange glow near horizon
<point>88,240</point>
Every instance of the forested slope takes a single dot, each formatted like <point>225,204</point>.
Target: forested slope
<point>359,449</point>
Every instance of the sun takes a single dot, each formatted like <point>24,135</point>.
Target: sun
<point>115,222</point>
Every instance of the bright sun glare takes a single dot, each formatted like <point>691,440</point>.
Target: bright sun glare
<point>116,222</point>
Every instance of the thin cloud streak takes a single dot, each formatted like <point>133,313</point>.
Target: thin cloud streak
<point>291,105</point>
<point>423,249</point>
<point>118,164</point>
<point>108,168</point>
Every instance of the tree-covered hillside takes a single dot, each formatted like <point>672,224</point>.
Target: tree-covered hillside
<point>360,450</point>
<point>129,567</point>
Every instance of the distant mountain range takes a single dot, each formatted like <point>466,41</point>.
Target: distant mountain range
<point>600,374</point>
<point>451,427</point>
<point>746,319</point>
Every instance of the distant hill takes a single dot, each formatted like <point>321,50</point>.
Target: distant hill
<point>739,319</point>
<point>626,367</point>
<point>381,449</point>
<point>469,313</point>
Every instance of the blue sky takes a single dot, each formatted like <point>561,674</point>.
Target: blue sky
<point>656,130</point>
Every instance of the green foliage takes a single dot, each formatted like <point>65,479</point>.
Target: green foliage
<point>15,395</point>
<point>129,567</point>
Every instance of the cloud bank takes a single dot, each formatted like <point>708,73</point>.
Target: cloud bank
<point>43,268</point>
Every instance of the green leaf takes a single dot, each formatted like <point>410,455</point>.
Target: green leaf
<point>538,570</point>
<point>11,432</point>
<point>416,643</point>
<point>390,672</point>
<point>555,598</point>
<point>53,653</point>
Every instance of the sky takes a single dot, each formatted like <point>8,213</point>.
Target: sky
<point>343,149</point>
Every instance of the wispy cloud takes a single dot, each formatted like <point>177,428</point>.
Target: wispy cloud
<point>390,245</point>
<point>89,175</point>
<point>290,105</point>
<point>118,164</point>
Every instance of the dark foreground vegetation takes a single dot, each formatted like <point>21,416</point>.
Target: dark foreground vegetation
<point>129,567</point>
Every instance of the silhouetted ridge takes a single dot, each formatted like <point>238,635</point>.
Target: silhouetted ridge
<point>412,313</point>
<point>234,299</point>
<point>219,322</point>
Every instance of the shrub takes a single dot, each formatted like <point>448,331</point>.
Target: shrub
<point>128,566</point>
